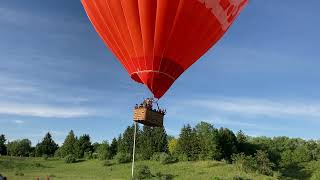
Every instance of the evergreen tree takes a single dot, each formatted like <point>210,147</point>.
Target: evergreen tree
<point>227,143</point>
<point>47,146</point>
<point>83,145</point>
<point>69,145</point>
<point>104,151</point>
<point>160,139</point>
<point>147,147</point>
<point>113,147</point>
<point>206,134</point>
<point>19,147</point>
<point>152,140</point>
<point>125,144</point>
<point>95,146</point>
<point>188,144</point>
<point>242,142</point>
<point>3,147</point>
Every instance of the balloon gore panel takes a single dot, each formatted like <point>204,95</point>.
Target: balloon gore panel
<point>157,40</point>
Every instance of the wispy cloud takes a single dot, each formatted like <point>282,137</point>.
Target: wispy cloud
<point>260,107</point>
<point>19,18</point>
<point>18,121</point>
<point>45,111</point>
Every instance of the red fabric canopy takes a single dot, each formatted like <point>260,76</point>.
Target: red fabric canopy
<point>157,40</point>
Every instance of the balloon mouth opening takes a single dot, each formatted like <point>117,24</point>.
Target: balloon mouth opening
<point>157,82</point>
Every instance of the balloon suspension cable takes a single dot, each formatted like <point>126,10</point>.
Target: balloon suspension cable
<point>155,100</point>
<point>134,148</point>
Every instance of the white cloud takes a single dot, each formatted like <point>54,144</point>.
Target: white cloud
<point>19,18</point>
<point>18,121</point>
<point>45,111</point>
<point>261,107</point>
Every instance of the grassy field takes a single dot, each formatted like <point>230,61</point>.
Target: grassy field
<point>30,168</point>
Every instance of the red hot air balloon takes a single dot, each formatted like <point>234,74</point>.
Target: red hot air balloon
<point>157,40</point>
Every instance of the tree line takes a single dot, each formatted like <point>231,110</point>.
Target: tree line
<point>201,142</point>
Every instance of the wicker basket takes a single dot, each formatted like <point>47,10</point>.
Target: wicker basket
<point>148,117</point>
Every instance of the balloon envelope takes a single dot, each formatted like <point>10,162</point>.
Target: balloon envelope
<point>157,40</point>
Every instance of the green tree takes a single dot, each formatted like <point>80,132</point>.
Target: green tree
<point>83,145</point>
<point>242,142</point>
<point>46,147</point>
<point>113,147</point>
<point>125,141</point>
<point>227,143</point>
<point>188,144</point>
<point>172,146</point>
<point>69,145</point>
<point>95,146</point>
<point>161,139</point>
<point>104,151</point>
<point>147,147</point>
<point>3,147</point>
<point>264,165</point>
<point>207,138</point>
<point>19,147</point>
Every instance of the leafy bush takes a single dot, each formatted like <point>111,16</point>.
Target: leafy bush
<point>88,155</point>
<point>59,153</point>
<point>161,176</point>
<point>52,176</point>
<point>216,178</point>
<point>104,151</point>
<point>315,175</point>
<point>166,158</point>
<point>95,155</point>
<point>239,178</point>
<point>259,163</point>
<point>45,156</point>
<point>142,172</point>
<point>107,163</point>
<point>155,156</point>
<point>264,165</point>
<point>183,157</point>
<point>122,158</point>
<point>38,164</point>
<point>244,163</point>
<point>70,159</point>
<point>18,173</point>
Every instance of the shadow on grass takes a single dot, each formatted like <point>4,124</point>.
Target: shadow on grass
<point>295,172</point>
<point>215,164</point>
<point>79,161</point>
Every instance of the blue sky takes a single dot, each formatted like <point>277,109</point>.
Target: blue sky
<point>57,75</point>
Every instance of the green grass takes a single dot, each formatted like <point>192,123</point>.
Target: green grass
<point>30,168</point>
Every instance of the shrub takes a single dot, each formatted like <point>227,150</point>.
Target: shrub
<point>18,173</point>
<point>38,164</point>
<point>45,156</point>
<point>264,165</point>
<point>161,176</point>
<point>143,172</point>
<point>216,178</point>
<point>315,175</point>
<point>52,176</point>
<point>95,155</point>
<point>183,157</point>
<point>259,163</point>
<point>244,163</point>
<point>166,158</point>
<point>122,158</point>
<point>70,159</point>
<point>59,153</point>
<point>88,155</point>
<point>239,178</point>
<point>156,156</point>
<point>107,163</point>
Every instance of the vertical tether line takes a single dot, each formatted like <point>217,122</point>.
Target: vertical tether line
<point>134,147</point>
